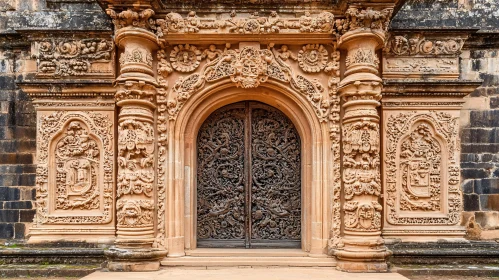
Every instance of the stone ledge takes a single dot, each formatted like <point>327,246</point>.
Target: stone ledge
<point>469,252</point>
<point>447,270</point>
<point>44,270</point>
<point>56,256</point>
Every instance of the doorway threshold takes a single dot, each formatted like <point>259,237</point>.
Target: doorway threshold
<point>225,257</point>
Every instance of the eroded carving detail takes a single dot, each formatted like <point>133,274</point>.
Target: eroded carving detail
<point>422,165</point>
<point>68,57</point>
<point>419,45</point>
<point>254,24</point>
<point>130,18</point>
<point>357,17</point>
<point>362,56</point>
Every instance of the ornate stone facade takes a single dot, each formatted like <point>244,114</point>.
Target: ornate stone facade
<point>376,113</point>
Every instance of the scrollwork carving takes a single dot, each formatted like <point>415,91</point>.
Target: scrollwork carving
<point>420,149</point>
<point>361,175</point>
<point>419,45</point>
<point>357,17</point>
<point>83,177</point>
<point>254,24</point>
<point>134,213</point>
<point>248,68</point>
<point>72,57</point>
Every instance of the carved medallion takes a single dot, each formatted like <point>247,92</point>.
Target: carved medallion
<point>77,159</point>
<point>185,58</point>
<point>312,58</point>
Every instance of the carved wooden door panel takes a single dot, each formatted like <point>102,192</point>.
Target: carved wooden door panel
<point>248,178</point>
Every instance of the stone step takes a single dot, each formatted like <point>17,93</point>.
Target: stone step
<point>470,270</point>
<point>215,252</point>
<point>249,261</point>
<point>43,270</point>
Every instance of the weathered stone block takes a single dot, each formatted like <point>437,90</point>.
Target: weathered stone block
<point>487,186</point>
<point>487,220</point>
<point>471,202</point>
<point>6,231</point>
<point>489,202</point>
<point>9,194</point>
<point>9,216</point>
<point>26,216</point>
<point>18,205</point>
<point>19,230</point>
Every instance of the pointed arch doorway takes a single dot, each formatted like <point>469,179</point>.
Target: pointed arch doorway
<point>248,179</point>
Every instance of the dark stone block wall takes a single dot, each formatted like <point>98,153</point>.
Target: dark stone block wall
<point>17,149</point>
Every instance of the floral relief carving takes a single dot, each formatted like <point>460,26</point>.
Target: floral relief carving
<point>185,58</point>
<point>72,57</point>
<point>136,56</point>
<point>135,156</point>
<point>161,169</point>
<point>312,58</point>
<point>248,68</point>
<point>85,145</point>
<point>415,154</point>
<point>361,175</point>
<point>132,213</point>
<point>130,18</point>
<point>419,45</point>
<point>254,24</point>
<point>357,17</point>
<point>333,69</point>
<point>77,161</point>
<point>364,56</point>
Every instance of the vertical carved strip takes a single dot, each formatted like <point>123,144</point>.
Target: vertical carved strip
<point>362,248</point>
<point>137,188</point>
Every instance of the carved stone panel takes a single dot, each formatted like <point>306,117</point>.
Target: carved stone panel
<point>75,168</point>
<point>421,163</point>
<point>74,58</point>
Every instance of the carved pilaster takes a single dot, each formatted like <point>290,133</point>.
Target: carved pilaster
<point>136,184</point>
<point>362,248</point>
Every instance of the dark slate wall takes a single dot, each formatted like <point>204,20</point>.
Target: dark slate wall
<point>17,115</point>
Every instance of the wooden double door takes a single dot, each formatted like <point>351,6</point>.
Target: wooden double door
<point>248,178</point>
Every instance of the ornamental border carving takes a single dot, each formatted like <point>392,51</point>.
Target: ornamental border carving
<point>51,125</point>
<point>397,127</point>
<point>246,68</point>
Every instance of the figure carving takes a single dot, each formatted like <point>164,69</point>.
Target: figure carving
<point>185,58</point>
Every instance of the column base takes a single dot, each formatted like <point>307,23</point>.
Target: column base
<point>349,266</point>
<point>134,259</point>
<point>362,256</point>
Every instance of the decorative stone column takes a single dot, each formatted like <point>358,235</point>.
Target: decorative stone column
<point>362,248</point>
<point>136,184</point>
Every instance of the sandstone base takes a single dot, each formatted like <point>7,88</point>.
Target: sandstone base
<point>134,259</point>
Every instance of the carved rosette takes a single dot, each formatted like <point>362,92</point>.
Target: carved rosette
<point>75,181</point>
<point>313,58</point>
<point>422,178</point>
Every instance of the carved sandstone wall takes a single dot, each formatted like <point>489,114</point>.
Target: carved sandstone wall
<point>480,113</point>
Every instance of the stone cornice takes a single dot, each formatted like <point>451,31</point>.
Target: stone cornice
<point>434,88</point>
